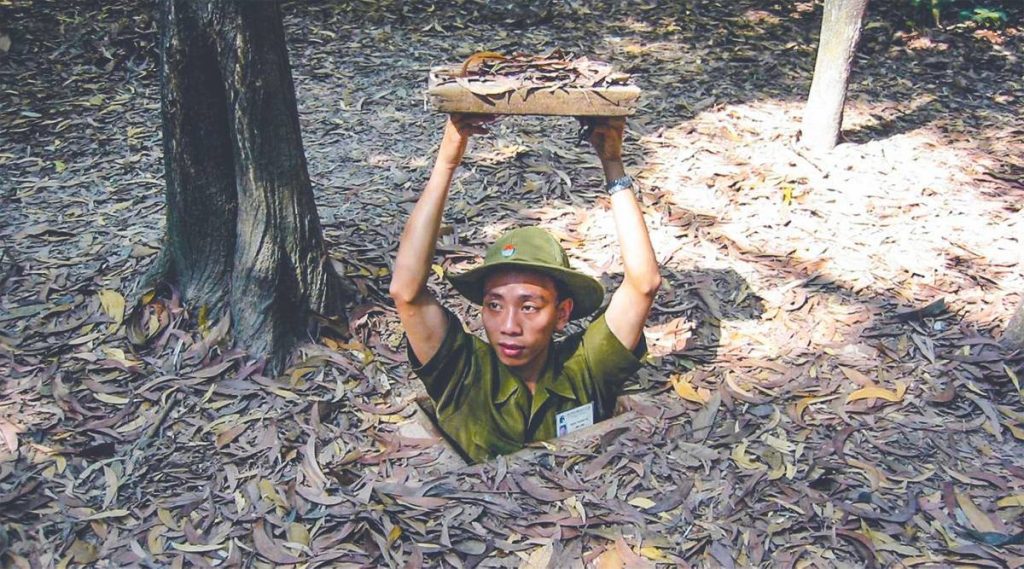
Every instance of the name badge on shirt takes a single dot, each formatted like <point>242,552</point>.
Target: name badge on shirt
<point>574,419</point>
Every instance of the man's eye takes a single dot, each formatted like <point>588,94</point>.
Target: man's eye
<point>493,306</point>
<point>529,308</point>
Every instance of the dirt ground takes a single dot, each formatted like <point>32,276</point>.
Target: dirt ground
<point>825,387</point>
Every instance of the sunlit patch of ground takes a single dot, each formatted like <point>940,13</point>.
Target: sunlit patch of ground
<point>904,217</point>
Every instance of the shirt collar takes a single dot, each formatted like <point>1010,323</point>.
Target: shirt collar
<point>551,383</point>
<point>508,385</point>
<point>560,386</point>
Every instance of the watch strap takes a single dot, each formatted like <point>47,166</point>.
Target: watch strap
<point>619,184</point>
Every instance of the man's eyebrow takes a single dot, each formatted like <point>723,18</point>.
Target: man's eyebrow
<point>529,296</point>
<point>521,297</point>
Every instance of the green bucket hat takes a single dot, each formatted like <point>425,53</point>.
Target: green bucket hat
<point>534,249</point>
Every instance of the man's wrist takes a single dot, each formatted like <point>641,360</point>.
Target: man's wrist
<point>447,166</point>
<point>450,157</point>
<point>613,169</point>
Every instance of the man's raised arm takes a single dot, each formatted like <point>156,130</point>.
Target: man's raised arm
<point>630,304</point>
<point>421,314</point>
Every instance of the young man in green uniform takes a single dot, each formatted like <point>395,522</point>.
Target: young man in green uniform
<point>520,386</point>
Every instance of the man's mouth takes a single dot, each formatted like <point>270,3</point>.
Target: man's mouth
<point>511,350</point>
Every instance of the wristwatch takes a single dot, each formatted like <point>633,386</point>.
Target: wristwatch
<point>619,184</point>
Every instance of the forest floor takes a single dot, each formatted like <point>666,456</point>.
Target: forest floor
<point>825,386</point>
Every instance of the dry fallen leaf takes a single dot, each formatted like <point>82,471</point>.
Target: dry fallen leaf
<point>979,519</point>
<point>875,392</point>
<point>113,304</point>
<point>642,503</point>
<point>739,456</point>
<point>1016,500</point>
<point>685,390</point>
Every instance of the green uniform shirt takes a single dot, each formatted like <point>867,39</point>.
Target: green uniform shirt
<point>488,411</point>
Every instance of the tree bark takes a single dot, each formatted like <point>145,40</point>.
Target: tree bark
<point>840,31</point>
<point>243,235</point>
<point>1013,336</point>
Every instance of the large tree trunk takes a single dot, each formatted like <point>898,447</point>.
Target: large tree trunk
<point>1013,336</point>
<point>823,115</point>
<point>243,236</point>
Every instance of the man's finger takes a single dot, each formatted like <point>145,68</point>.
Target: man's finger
<point>586,131</point>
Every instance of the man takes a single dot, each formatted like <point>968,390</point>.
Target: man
<point>492,398</point>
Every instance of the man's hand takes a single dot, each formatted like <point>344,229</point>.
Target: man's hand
<point>606,137</point>
<point>457,131</point>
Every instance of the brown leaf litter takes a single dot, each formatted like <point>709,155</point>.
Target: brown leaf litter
<point>825,389</point>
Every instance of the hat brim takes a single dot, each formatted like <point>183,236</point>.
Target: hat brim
<point>586,292</point>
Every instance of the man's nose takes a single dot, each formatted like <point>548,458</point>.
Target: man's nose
<point>510,323</point>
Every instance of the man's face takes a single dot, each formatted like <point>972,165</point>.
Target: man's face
<point>521,312</point>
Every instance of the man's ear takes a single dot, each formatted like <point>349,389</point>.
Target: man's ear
<point>564,309</point>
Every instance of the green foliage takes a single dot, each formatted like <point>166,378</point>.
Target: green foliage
<point>985,17</point>
<point>987,14</point>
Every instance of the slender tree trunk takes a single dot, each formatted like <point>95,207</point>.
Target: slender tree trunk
<point>243,235</point>
<point>1013,336</point>
<point>823,115</point>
